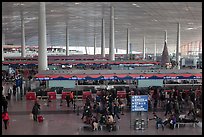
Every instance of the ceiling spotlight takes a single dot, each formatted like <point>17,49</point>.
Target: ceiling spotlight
<point>190,28</point>
<point>76,3</point>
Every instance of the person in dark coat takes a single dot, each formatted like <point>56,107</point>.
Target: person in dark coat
<point>14,90</point>
<point>168,107</point>
<point>67,99</point>
<point>35,110</point>
<point>116,111</point>
<point>4,104</point>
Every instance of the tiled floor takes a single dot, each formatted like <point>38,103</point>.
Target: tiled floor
<point>60,120</point>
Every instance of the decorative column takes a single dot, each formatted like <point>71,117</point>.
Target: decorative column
<point>103,38</point>
<point>67,40</point>
<point>42,40</point>
<point>112,36</point>
<point>22,36</point>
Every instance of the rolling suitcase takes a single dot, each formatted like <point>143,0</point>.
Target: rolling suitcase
<point>40,118</point>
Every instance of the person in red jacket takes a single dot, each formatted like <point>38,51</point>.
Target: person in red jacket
<point>5,118</point>
<point>72,97</point>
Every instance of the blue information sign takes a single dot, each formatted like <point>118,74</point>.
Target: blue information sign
<point>139,103</point>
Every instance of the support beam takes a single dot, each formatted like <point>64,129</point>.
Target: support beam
<point>42,39</point>
<point>67,40</point>
<point>22,36</point>
<point>112,36</point>
<point>178,46</point>
<point>103,38</point>
<point>143,47</point>
<point>3,43</point>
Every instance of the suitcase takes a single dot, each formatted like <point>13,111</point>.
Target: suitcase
<point>40,118</point>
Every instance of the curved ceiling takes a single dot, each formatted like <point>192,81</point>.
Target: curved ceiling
<point>149,19</point>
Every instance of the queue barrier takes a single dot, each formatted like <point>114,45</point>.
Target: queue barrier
<point>52,95</point>
<point>30,96</point>
<point>64,94</point>
<point>86,94</point>
<point>121,94</point>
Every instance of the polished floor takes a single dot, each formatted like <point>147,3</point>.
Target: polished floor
<point>61,120</point>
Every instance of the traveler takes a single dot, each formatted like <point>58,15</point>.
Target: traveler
<point>115,111</point>
<point>14,90</point>
<point>158,120</point>
<point>172,121</point>
<point>35,110</point>
<point>110,122</point>
<point>191,109</point>
<point>168,107</point>
<point>67,99</point>
<point>4,104</point>
<point>5,118</point>
<point>72,97</point>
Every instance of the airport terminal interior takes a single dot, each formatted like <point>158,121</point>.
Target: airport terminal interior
<point>101,68</point>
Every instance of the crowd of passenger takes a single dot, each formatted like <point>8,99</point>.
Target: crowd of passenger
<point>103,109</point>
<point>174,104</point>
<point>106,106</point>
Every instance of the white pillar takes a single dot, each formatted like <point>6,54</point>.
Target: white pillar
<point>178,46</point>
<point>112,36</point>
<point>103,38</point>
<point>22,36</point>
<point>128,42</point>
<point>67,40</point>
<point>3,43</point>
<point>155,51</point>
<point>86,50</point>
<point>42,40</point>
<point>94,44</point>
<point>165,38</point>
<point>144,47</point>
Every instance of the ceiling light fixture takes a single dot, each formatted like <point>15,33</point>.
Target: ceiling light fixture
<point>76,3</point>
<point>134,4</point>
<point>190,28</point>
